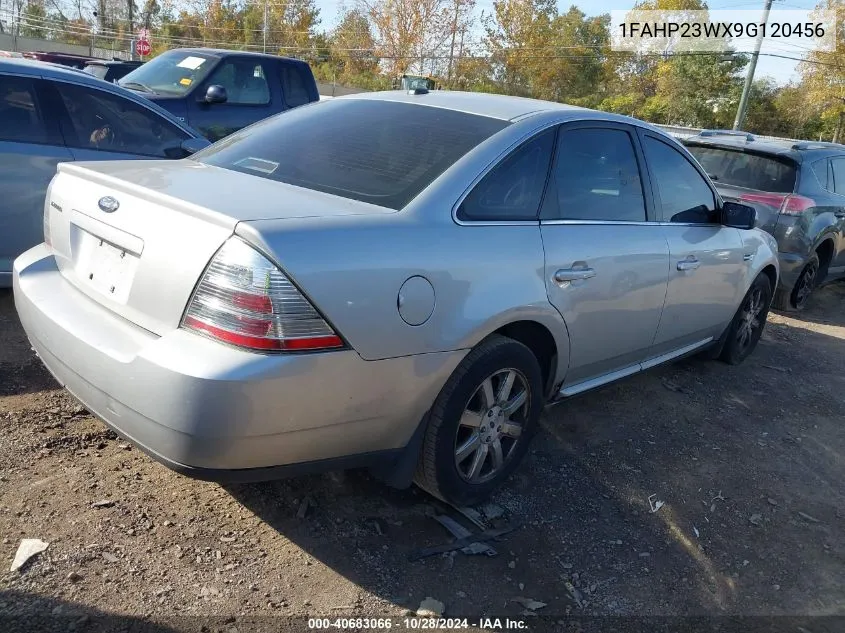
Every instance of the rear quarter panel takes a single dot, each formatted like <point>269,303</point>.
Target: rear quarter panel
<point>352,268</point>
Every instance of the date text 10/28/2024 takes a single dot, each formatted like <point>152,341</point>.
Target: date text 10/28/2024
<point>411,623</point>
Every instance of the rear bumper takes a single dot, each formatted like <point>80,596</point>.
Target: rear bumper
<point>215,412</point>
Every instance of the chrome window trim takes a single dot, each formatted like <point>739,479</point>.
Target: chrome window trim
<point>625,223</point>
<point>635,124</point>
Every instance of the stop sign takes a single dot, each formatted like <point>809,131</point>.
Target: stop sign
<point>142,47</point>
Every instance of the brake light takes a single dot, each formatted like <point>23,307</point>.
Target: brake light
<point>787,204</point>
<point>245,300</point>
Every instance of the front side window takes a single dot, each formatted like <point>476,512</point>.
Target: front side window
<point>380,152</point>
<point>514,188</point>
<point>595,177</point>
<point>171,73</point>
<point>103,121</point>
<point>244,80</point>
<point>21,119</point>
<point>684,194</point>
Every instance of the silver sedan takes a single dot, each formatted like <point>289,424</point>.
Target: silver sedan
<point>399,281</point>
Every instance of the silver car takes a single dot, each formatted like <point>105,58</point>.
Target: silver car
<point>50,114</point>
<point>394,280</point>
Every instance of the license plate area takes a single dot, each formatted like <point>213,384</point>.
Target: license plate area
<point>105,267</point>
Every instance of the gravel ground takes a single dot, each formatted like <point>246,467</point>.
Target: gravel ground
<point>747,462</point>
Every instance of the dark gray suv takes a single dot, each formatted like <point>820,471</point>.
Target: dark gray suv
<point>798,189</point>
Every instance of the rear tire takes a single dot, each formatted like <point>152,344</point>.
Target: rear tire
<point>481,422</point>
<point>796,298</point>
<point>747,326</point>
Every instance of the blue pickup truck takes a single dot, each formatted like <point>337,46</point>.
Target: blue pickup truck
<point>218,92</point>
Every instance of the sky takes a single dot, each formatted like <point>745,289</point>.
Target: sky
<point>781,70</point>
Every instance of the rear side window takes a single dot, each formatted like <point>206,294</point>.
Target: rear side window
<point>244,81</point>
<point>21,119</point>
<point>595,177</point>
<point>838,169</point>
<point>684,194</point>
<point>822,171</point>
<point>380,152</point>
<point>98,71</point>
<point>294,87</point>
<point>742,169</point>
<point>512,190</point>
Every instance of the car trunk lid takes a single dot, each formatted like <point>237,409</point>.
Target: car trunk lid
<point>136,238</point>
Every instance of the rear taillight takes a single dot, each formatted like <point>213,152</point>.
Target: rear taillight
<point>245,300</point>
<point>788,204</point>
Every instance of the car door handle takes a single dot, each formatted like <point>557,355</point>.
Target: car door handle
<point>574,274</point>
<point>688,264</point>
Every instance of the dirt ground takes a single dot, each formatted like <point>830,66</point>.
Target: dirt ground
<point>749,463</point>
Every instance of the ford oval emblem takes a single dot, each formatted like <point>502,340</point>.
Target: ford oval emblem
<point>108,204</point>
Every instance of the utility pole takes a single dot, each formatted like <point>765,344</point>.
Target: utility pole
<point>749,78</point>
<point>452,45</point>
<point>265,26</point>
<point>131,7</point>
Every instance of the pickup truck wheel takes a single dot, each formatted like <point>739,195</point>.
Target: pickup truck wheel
<point>748,322</point>
<point>481,422</point>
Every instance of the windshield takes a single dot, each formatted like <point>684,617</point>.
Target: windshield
<point>380,152</point>
<point>98,71</point>
<point>171,73</point>
<point>746,170</point>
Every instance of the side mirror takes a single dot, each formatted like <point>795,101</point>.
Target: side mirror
<point>215,94</point>
<point>186,148</point>
<point>738,216</point>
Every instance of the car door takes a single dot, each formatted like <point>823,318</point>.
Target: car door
<point>606,259</point>
<point>837,175</point>
<point>250,97</point>
<point>30,148</point>
<point>101,125</point>
<point>707,259</point>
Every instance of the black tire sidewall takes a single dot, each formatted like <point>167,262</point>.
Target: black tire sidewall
<point>732,353</point>
<point>812,260</point>
<point>503,355</point>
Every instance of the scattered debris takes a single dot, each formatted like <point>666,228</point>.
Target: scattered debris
<point>461,594</point>
<point>379,525</point>
<point>756,519</point>
<point>575,594</point>
<point>227,539</point>
<point>481,537</point>
<point>512,564</point>
<point>772,502</point>
<point>671,386</point>
<point>28,548</point>
<point>460,532</point>
<point>74,576</point>
<point>492,511</point>
<point>645,554</point>
<point>782,370</point>
<point>695,529</point>
<point>303,507</point>
<point>654,503</point>
<point>430,608</point>
<point>110,557</point>
<point>105,503</point>
<point>807,517</point>
<point>529,603</point>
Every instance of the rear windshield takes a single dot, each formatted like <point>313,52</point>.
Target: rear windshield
<point>742,169</point>
<point>380,152</point>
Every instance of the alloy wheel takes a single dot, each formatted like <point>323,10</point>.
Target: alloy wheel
<point>805,285</point>
<point>750,320</point>
<point>491,425</point>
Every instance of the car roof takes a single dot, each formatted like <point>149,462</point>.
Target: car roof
<point>221,52</point>
<point>496,106</point>
<point>112,62</point>
<point>796,150</point>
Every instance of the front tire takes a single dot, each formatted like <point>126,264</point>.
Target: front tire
<point>481,422</point>
<point>747,326</point>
